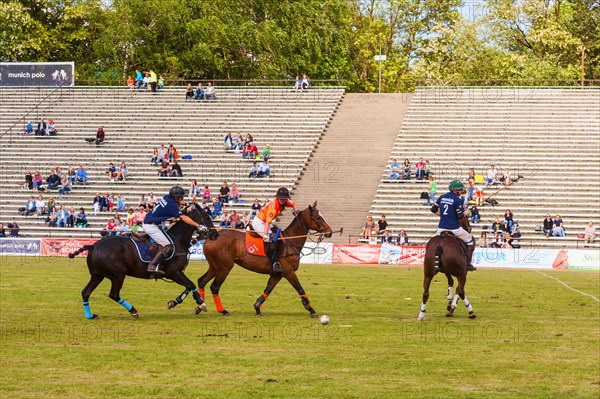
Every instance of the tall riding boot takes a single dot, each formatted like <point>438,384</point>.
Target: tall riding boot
<point>275,265</point>
<point>154,265</point>
<point>470,250</point>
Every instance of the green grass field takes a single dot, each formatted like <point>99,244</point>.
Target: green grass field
<point>533,337</point>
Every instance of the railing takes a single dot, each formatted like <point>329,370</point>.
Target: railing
<point>216,82</point>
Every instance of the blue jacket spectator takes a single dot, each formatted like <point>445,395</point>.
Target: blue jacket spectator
<point>81,176</point>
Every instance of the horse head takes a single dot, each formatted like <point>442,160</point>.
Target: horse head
<point>207,228</point>
<point>312,219</point>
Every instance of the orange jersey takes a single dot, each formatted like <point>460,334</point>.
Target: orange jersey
<point>271,210</point>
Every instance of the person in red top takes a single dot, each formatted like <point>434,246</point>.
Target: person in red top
<point>263,221</point>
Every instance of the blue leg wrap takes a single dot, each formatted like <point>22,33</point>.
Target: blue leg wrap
<point>87,311</point>
<point>197,296</point>
<point>125,304</point>
<point>181,297</point>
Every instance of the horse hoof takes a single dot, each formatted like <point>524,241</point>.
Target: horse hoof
<point>449,315</point>
<point>171,304</point>
<point>472,315</point>
<point>225,313</point>
<point>202,308</point>
<point>421,318</point>
<point>93,317</point>
<point>314,315</point>
<point>135,315</point>
<point>259,315</point>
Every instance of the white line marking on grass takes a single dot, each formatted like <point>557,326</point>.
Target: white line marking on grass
<point>569,287</point>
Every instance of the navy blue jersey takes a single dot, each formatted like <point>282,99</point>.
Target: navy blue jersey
<point>449,204</point>
<point>164,209</point>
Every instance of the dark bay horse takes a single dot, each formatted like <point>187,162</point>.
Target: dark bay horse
<point>116,257</point>
<point>449,253</point>
<point>230,248</point>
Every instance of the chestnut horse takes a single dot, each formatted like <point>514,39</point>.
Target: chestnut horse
<point>449,254</point>
<point>230,248</point>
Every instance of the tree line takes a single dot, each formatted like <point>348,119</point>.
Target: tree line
<point>446,41</point>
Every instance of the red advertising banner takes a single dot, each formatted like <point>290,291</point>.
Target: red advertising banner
<point>356,253</point>
<point>64,246</point>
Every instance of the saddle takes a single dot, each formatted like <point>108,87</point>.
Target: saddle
<point>461,242</point>
<point>147,248</point>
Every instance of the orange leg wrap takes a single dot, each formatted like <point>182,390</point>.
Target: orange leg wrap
<point>265,296</point>
<point>218,303</point>
<point>201,292</point>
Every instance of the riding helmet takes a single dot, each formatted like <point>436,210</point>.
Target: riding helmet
<point>456,185</point>
<point>283,193</point>
<point>177,191</point>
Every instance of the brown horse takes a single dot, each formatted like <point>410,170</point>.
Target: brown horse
<point>230,248</point>
<point>449,254</point>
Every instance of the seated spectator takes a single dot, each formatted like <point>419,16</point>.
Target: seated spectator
<point>172,154</point>
<point>2,231</point>
<point>492,176</point>
<point>130,82</point>
<point>105,204</point>
<point>245,219</point>
<point>382,227</point>
<point>248,140</point>
<point>479,196</point>
<point>420,169</point>
<point>62,215</point>
<point>218,207</point>
<point>206,195</point>
<point>515,232</point>
<point>548,225</point>
<point>81,219</point>
<point>164,169</point>
<point>497,241</point>
<point>199,93</point>
<point>146,82</point>
<point>239,142</point>
<point>235,221</point>
<point>189,92</point>
<point>266,153</point>
<point>507,241</point>
<point>250,151</point>
<point>154,157</point>
<point>224,192</point>
<point>471,175</point>
<point>51,206</point>
<point>558,230</point>
<point>210,92</point>
<point>130,217</point>
<point>51,128</point>
<point>427,171</point>
<point>52,218</point>
<point>53,180</point>
<point>508,217</point>
<point>406,170</point>
<point>14,228</point>
<point>162,153</point>
<point>224,219</point>
<point>81,176</point>
<point>37,180</point>
<point>28,183</point>
<point>475,217</point>
<point>175,170</point>
<point>255,208</point>
<point>41,128</point>
<point>589,234</point>
<point>71,174</point>
<point>139,79</point>
<point>228,142</point>
<point>368,227</point>
<point>71,218</point>
<point>119,224</point>
<point>111,172</point>
<point>471,190</point>
<point>194,189</point>
<point>100,136</point>
<point>30,206</point>
<point>234,195</point>
<point>298,84</point>
<point>264,170</point>
<point>496,225</point>
<point>122,172</point>
<point>65,186</point>
<point>394,170</point>
<point>305,82</point>
<point>140,215</point>
<point>161,82</point>
<point>402,238</point>
<point>97,202</point>
<point>150,202</point>
<point>111,228</point>
<point>505,177</point>
<point>253,171</point>
<point>484,242</point>
<point>121,204</point>
<point>28,129</point>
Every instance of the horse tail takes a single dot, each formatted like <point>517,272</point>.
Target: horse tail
<point>80,250</point>
<point>438,256</point>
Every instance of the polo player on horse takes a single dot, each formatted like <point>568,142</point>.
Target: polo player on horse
<point>265,217</point>
<point>167,207</point>
<point>449,207</point>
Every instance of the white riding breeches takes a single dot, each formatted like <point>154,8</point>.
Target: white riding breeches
<point>258,226</point>
<point>460,233</point>
<point>156,232</point>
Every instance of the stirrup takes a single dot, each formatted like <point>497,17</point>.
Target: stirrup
<point>155,271</point>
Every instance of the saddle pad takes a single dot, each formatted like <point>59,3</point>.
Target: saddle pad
<point>254,244</point>
<point>143,249</point>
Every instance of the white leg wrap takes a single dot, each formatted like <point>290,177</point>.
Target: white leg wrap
<point>422,312</point>
<point>454,302</point>
<point>450,293</point>
<point>468,305</point>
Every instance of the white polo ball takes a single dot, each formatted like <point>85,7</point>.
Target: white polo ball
<point>324,319</point>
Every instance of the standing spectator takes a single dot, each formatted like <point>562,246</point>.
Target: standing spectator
<point>492,176</point>
<point>558,230</point>
<point>194,188</point>
<point>81,176</point>
<point>100,135</point>
<point>589,233</point>
<point>224,192</point>
<point>470,190</point>
<point>210,92</point>
<point>432,190</point>
<point>62,215</point>
<point>255,208</point>
<point>406,170</point>
<point>81,218</point>
<point>14,228</point>
<point>394,170</point>
<point>111,172</point>
<point>419,169</point>
<point>235,194</point>
<point>122,172</point>
<point>402,238</point>
<point>548,225</point>
<point>475,217</point>
<point>189,93</point>
<point>368,227</point>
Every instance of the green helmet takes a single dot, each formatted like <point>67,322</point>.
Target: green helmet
<point>456,185</point>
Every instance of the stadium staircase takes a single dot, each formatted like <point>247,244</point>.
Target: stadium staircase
<point>550,136</point>
<point>135,122</point>
<point>342,172</point>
